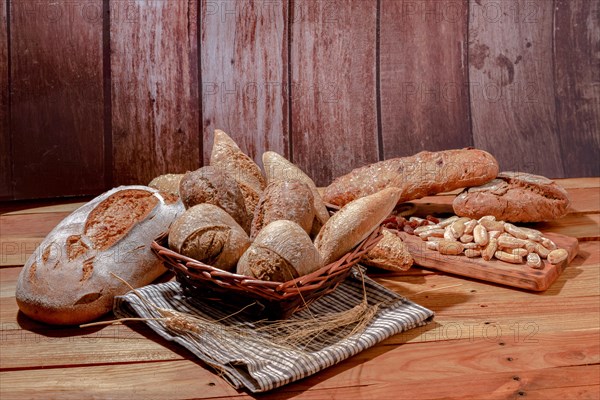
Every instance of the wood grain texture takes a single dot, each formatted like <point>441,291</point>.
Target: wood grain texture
<point>6,186</point>
<point>154,69</point>
<point>511,85</point>
<point>424,99</point>
<point>57,98</point>
<point>245,75</point>
<point>516,275</point>
<point>577,80</point>
<point>333,94</point>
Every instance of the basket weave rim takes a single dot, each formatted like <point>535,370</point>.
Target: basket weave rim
<point>302,282</point>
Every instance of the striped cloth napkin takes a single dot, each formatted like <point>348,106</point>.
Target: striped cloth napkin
<point>245,363</point>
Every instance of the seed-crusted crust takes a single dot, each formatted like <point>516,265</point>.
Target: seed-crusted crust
<point>423,174</point>
<point>391,254</point>
<point>514,197</point>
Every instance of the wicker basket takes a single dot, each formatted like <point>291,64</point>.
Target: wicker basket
<point>263,299</point>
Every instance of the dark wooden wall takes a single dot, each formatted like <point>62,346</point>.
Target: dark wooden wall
<point>97,93</point>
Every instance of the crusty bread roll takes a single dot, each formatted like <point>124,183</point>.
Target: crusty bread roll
<point>514,197</point>
<point>227,156</point>
<point>68,279</point>
<point>291,200</point>
<point>168,183</point>
<point>282,251</point>
<point>353,223</point>
<point>279,168</point>
<point>213,186</point>
<point>390,253</point>
<point>208,234</point>
<point>423,174</point>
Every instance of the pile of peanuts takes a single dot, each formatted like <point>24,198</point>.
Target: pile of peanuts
<point>484,237</point>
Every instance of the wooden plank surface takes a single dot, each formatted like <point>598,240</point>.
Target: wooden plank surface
<point>486,341</point>
<point>577,77</point>
<point>244,46</point>
<point>511,81</point>
<point>56,117</point>
<point>155,106</point>
<point>516,275</point>
<point>6,187</point>
<point>424,106</point>
<point>333,88</point>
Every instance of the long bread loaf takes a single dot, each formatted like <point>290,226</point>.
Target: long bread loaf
<point>423,174</point>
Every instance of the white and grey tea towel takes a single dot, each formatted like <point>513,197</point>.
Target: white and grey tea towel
<point>247,362</point>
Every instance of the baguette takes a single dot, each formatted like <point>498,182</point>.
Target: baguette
<point>353,223</point>
<point>68,278</point>
<point>279,168</point>
<point>423,174</point>
<point>227,156</point>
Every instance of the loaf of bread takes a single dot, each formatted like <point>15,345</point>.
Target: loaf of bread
<point>278,168</point>
<point>227,156</point>
<point>168,183</point>
<point>68,278</point>
<point>291,200</point>
<point>391,254</point>
<point>208,234</point>
<point>282,251</point>
<point>353,223</point>
<point>423,174</point>
<point>514,197</point>
<point>213,186</point>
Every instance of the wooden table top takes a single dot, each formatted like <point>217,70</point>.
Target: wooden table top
<point>486,341</point>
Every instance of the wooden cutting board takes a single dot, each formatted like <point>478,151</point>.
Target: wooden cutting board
<point>516,275</point>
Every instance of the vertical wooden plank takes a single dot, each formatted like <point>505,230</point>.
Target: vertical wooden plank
<point>333,88</point>
<point>424,96</point>
<point>57,97</point>
<point>5,151</point>
<point>154,71</point>
<point>577,77</point>
<point>245,74</point>
<point>512,84</point>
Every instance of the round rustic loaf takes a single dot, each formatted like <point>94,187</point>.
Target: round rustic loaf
<point>208,234</point>
<point>68,279</point>
<point>168,183</point>
<point>390,253</point>
<point>290,200</point>
<point>282,251</point>
<point>514,197</point>
<point>213,186</point>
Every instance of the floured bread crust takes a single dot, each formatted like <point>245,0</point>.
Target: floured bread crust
<point>514,197</point>
<point>68,278</point>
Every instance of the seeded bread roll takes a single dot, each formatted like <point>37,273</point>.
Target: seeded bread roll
<point>423,174</point>
<point>68,280</point>
<point>282,251</point>
<point>391,254</point>
<point>208,234</point>
<point>353,223</point>
<point>213,186</point>
<point>168,183</point>
<point>278,168</point>
<point>227,156</point>
<point>291,200</point>
<point>514,197</point>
